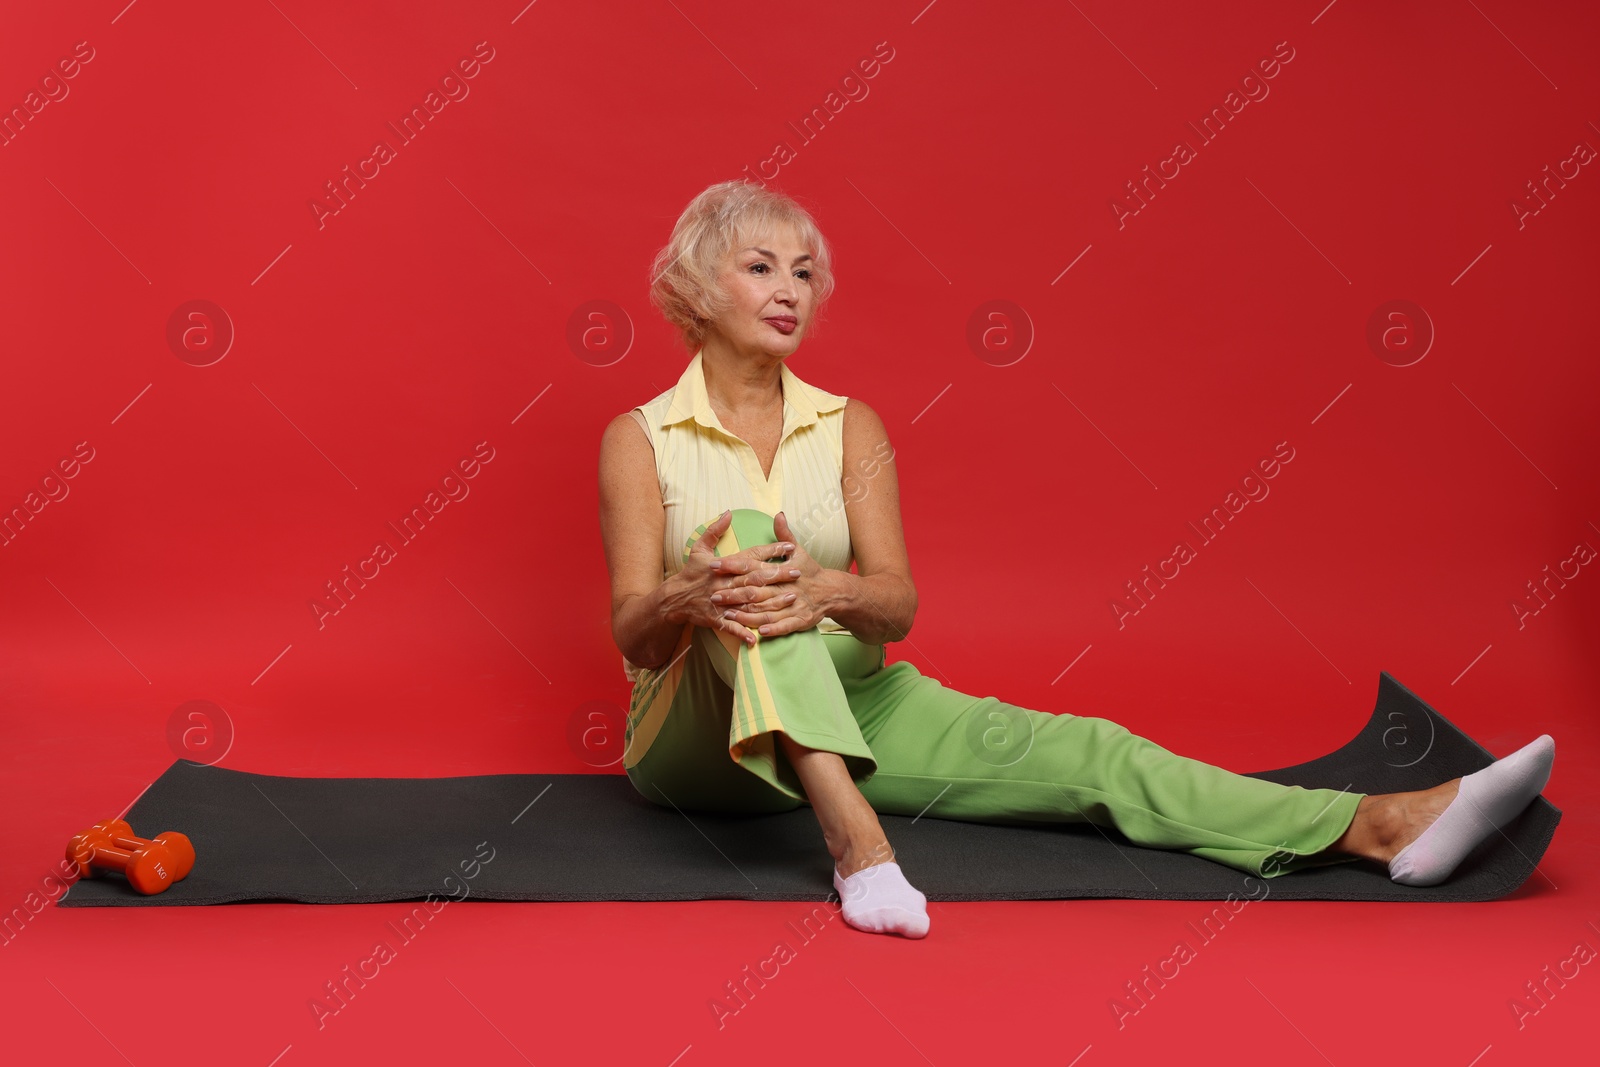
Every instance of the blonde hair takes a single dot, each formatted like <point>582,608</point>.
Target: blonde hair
<point>684,278</point>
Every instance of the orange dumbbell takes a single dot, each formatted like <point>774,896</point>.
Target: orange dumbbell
<point>150,866</point>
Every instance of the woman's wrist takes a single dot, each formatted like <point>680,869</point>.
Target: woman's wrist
<point>650,625</point>
<point>838,592</point>
<point>876,609</point>
<point>669,603</point>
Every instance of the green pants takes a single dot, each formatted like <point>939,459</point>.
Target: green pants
<point>702,735</point>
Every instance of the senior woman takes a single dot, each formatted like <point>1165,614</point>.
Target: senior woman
<point>732,507</point>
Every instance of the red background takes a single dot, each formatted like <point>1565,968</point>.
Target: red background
<point>375,347</point>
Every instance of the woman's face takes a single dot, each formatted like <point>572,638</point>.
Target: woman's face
<point>769,280</point>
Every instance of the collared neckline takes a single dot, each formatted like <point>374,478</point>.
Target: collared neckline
<point>802,402</point>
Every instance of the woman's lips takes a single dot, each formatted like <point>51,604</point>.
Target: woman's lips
<point>783,326</point>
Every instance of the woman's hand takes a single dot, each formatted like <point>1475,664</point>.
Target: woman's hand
<point>709,585</point>
<point>798,606</point>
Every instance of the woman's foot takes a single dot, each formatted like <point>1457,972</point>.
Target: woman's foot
<point>1484,801</point>
<point>1385,823</point>
<point>1424,835</point>
<point>873,891</point>
<point>876,897</point>
<point>862,852</point>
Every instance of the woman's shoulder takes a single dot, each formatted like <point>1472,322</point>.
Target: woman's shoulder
<point>863,435</point>
<point>621,431</point>
<point>859,416</point>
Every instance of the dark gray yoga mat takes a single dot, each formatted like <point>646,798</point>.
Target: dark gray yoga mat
<point>260,837</point>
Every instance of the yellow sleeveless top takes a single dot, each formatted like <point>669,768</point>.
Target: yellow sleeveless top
<point>703,469</point>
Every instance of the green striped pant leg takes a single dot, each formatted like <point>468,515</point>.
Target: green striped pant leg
<point>675,747</point>
<point>748,693</point>
<point>949,755</point>
<point>781,684</point>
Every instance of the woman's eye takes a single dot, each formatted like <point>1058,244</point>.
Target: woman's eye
<point>804,275</point>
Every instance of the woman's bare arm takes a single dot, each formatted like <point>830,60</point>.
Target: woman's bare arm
<point>632,523</point>
<point>879,602</point>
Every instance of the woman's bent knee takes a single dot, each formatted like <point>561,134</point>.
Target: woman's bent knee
<point>747,527</point>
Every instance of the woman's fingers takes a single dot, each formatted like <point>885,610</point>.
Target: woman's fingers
<point>777,548</point>
<point>754,556</point>
<point>753,611</point>
<point>768,574</point>
<point>737,629</point>
<point>767,613</point>
<point>740,563</point>
<point>763,573</point>
<point>770,618</point>
<point>706,543</point>
<point>785,625</point>
<point>750,576</point>
<point>753,586</point>
<point>736,595</point>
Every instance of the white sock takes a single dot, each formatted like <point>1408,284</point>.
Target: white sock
<point>1488,800</point>
<point>879,900</point>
